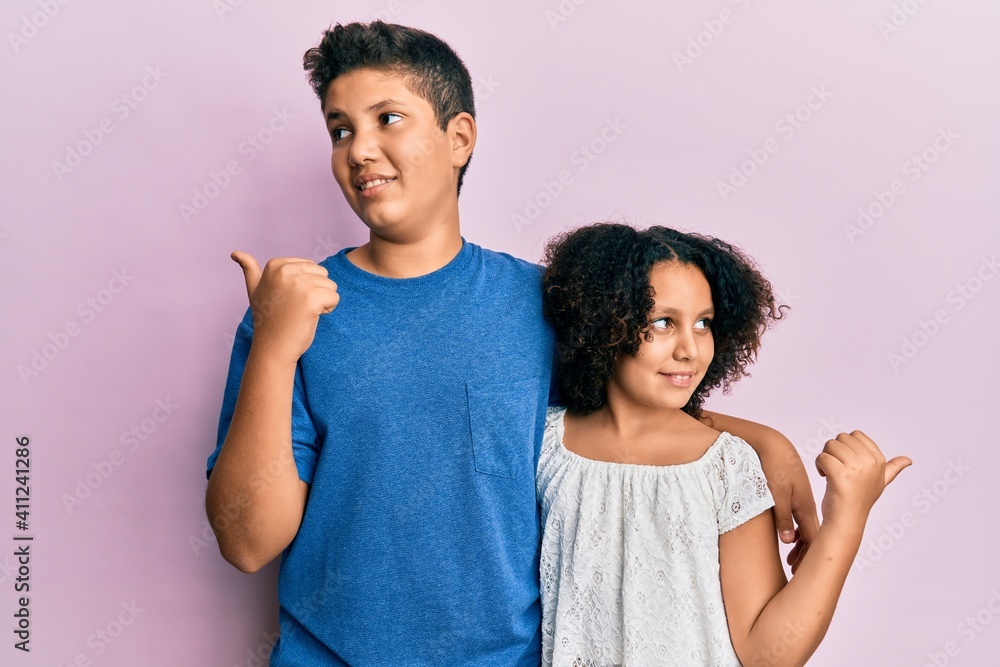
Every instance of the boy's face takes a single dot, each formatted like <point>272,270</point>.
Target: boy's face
<point>397,169</point>
<point>666,371</point>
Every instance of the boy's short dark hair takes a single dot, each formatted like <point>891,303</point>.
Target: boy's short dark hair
<point>430,67</point>
<point>598,297</point>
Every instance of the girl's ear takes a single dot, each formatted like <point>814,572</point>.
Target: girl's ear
<point>462,135</point>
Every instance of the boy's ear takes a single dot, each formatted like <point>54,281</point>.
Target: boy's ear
<point>462,134</point>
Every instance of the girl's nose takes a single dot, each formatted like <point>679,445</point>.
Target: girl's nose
<point>685,348</point>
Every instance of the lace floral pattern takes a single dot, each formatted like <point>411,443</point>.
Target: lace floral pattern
<point>630,553</point>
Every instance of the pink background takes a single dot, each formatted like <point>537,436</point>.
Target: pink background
<point>662,132</point>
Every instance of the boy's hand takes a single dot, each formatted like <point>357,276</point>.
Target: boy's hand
<point>793,498</point>
<point>786,477</point>
<point>286,298</point>
<point>856,473</point>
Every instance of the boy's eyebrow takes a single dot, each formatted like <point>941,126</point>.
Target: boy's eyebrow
<point>336,114</point>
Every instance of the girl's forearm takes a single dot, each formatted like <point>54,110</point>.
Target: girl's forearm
<point>791,626</point>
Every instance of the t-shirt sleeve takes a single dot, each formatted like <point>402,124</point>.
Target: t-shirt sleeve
<point>554,399</point>
<point>304,436</point>
<point>741,486</point>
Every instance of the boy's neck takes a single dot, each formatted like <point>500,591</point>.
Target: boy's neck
<point>393,259</point>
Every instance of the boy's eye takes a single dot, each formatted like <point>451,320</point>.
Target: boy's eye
<point>339,133</point>
<point>387,118</point>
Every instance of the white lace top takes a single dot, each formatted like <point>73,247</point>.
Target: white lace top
<point>630,553</point>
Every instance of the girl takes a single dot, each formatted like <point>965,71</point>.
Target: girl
<point>658,545</point>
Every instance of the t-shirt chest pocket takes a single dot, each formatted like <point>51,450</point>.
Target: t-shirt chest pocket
<point>502,418</point>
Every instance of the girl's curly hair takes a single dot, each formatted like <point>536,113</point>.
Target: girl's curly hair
<point>598,298</point>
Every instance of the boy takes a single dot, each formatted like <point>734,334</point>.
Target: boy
<point>388,451</point>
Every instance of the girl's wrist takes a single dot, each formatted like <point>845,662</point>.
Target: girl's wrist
<point>845,529</point>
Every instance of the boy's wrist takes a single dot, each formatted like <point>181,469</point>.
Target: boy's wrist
<point>270,356</point>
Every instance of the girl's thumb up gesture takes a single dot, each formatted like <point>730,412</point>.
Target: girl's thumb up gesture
<point>856,472</point>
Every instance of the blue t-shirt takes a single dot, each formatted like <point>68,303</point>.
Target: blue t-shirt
<point>417,419</point>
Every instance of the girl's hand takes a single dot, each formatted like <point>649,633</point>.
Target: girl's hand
<point>856,473</point>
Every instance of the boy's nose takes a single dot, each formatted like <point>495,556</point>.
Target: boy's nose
<point>363,149</point>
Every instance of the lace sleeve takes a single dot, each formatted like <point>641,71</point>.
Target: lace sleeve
<point>551,438</point>
<point>741,486</point>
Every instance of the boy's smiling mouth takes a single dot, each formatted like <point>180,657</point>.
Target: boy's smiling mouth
<point>370,182</point>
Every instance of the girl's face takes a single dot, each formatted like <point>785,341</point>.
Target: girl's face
<point>667,370</point>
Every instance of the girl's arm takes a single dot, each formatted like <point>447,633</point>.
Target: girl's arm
<point>777,624</point>
<point>786,477</point>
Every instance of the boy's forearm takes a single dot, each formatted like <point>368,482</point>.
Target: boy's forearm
<point>786,477</point>
<point>794,622</point>
<point>255,498</point>
<point>756,435</point>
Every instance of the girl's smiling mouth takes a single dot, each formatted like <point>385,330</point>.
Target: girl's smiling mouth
<point>680,380</point>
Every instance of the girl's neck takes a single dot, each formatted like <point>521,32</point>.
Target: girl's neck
<point>653,436</point>
<point>629,421</point>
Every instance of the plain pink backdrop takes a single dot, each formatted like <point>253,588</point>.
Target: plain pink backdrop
<point>587,110</point>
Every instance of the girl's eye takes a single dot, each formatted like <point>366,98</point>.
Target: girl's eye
<point>661,323</point>
<point>339,133</point>
<point>387,118</point>
<point>703,323</point>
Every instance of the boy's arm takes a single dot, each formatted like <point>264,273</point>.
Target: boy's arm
<point>255,499</point>
<point>786,477</point>
<point>777,624</point>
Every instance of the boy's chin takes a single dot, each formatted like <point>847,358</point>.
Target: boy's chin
<point>380,222</point>
<point>393,232</point>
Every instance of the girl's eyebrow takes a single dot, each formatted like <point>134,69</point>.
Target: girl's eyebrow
<point>667,310</point>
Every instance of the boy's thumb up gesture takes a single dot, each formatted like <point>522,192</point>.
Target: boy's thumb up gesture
<point>286,297</point>
<point>251,271</point>
<point>856,473</point>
